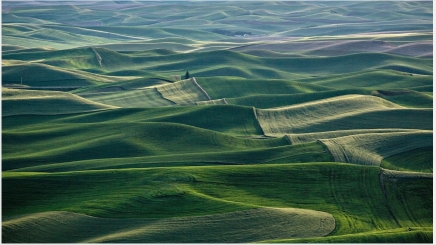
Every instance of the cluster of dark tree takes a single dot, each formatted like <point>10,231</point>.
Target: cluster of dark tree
<point>231,33</point>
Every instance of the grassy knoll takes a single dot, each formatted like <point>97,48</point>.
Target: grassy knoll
<point>207,190</point>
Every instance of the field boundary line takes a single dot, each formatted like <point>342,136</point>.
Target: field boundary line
<point>99,59</point>
<point>161,95</point>
<point>202,90</point>
<point>257,120</point>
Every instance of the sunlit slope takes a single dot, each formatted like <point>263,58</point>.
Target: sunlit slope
<point>188,191</point>
<point>31,102</point>
<point>302,138</point>
<point>142,98</point>
<point>203,91</point>
<point>311,116</point>
<point>184,92</point>
<point>371,148</point>
<point>241,226</point>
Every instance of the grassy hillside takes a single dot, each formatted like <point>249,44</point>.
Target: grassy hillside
<point>208,190</point>
<point>419,160</point>
<point>300,117</point>
<point>102,140</point>
<point>213,228</point>
<point>299,122</point>
<point>371,148</point>
<point>28,102</point>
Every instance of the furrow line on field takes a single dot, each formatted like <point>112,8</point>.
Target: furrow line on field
<point>202,90</point>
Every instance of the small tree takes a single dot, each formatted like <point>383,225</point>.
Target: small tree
<point>187,75</point>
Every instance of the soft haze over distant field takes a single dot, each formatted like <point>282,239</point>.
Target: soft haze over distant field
<point>217,122</point>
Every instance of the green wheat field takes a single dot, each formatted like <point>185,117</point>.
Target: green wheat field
<point>217,122</point>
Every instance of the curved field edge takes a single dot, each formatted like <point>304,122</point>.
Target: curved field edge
<point>392,202</point>
<point>401,235</point>
<point>301,117</point>
<point>242,226</point>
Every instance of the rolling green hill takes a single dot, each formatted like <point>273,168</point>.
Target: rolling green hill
<point>217,122</point>
<point>209,190</point>
<point>211,228</point>
<point>31,102</point>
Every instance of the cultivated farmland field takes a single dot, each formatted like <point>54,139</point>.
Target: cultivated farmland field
<point>217,121</point>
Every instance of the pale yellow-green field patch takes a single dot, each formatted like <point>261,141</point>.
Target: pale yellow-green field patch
<point>185,92</point>
<point>295,139</point>
<point>291,119</point>
<point>371,148</point>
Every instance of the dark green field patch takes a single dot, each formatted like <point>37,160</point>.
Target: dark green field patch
<point>419,160</point>
<point>184,191</point>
